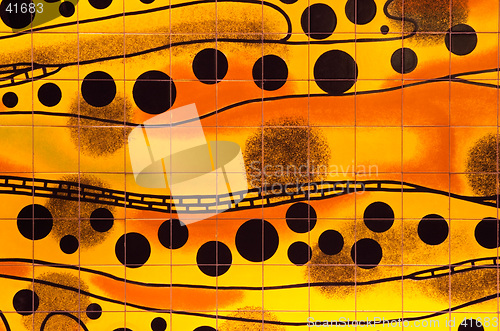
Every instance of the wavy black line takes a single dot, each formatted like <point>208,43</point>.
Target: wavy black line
<point>62,313</point>
<point>5,322</point>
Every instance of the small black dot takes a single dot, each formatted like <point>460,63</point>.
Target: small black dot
<point>433,229</point>
<point>10,99</point>
<point>158,324</point>
<point>270,72</point>
<point>378,217</point>
<point>301,217</point>
<point>404,60</point>
<point>299,253</point>
<point>318,21</point>
<point>122,329</point>
<point>210,66</point>
<point>147,1</point>
<point>173,234</point>
<point>49,94</point>
<point>289,2</point>
<point>384,29</point>
<point>133,250</point>
<point>360,11</point>
<point>154,92</point>
<point>487,233</point>
<point>100,4</point>
<point>101,220</point>
<point>331,242</point>
<point>67,9</point>
<point>13,17</point>
<point>470,324</point>
<point>335,72</point>
<point>25,302</point>
<point>366,253</point>
<point>94,311</point>
<point>34,222</point>
<point>214,258</point>
<point>98,89</point>
<point>205,328</point>
<point>252,236</point>
<point>69,244</point>
<point>461,39</point>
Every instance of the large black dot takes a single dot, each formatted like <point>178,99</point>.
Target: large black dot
<point>378,216</point>
<point>433,229</point>
<point>335,72</point>
<point>25,302</point>
<point>94,311</point>
<point>205,328</point>
<point>301,217</point>
<point>487,233</point>
<point>69,244</point>
<point>331,242</point>
<point>98,89</point>
<point>34,222</point>
<point>299,253</point>
<point>470,324</point>
<point>210,66</point>
<point>12,14</point>
<point>67,9</point>
<point>318,21</point>
<point>254,235</point>
<point>154,92</point>
<point>366,253</point>
<point>404,60</point>
<point>214,258</point>
<point>270,72</point>
<point>289,2</point>
<point>100,4</point>
<point>133,249</point>
<point>360,11</point>
<point>101,220</point>
<point>158,324</point>
<point>10,99</point>
<point>173,234</point>
<point>461,39</point>
<point>49,94</point>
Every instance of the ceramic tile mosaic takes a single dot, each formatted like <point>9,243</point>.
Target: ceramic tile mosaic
<point>236,165</point>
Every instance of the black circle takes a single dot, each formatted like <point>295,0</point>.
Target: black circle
<point>101,220</point>
<point>360,11</point>
<point>318,21</point>
<point>214,258</point>
<point>462,39</point>
<point>133,250</point>
<point>98,89</point>
<point>13,17</point>
<point>384,29</point>
<point>69,244</point>
<point>404,60</point>
<point>289,2</point>
<point>205,328</point>
<point>378,216</point>
<point>487,233</point>
<point>252,236</point>
<point>67,9</point>
<point>100,4</point>
<point>470,324</point>
<point>299,253</point>
<point>433,229</point>
<point>270,72</point>
<point>154,92</point>
<point>34,222</point>
<point>210,66</point>
<point>301,217</point>
<point>366,253</point>
<point>173,234</point>
<point>335,72</point>
<point>10,99</point>
<point>25,302</point>
<point>331,242</point>
<point>158,324</point>
<point>49,94</point>
<point>147,1</point>
<point>94,311</point>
